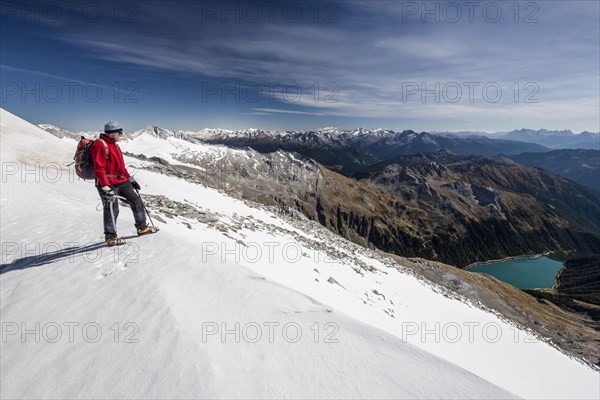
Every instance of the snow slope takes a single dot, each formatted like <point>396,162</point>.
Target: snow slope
<point>180,311</point>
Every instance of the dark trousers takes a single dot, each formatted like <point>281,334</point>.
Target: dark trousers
<point>123,190</point>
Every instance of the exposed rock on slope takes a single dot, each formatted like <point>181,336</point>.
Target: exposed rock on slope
<point>444,207</point>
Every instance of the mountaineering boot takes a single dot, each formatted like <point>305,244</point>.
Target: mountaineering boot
<point>146,230</point>
<point>115,242</point>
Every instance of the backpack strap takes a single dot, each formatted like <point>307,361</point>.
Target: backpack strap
<point>105,146</point>
<point>106,150</point>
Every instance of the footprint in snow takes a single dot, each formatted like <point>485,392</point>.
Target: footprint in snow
<point>103,273</point>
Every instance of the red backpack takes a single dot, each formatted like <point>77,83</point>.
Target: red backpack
<point>84,165</point>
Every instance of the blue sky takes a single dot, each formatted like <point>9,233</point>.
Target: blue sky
<point>486,65</point>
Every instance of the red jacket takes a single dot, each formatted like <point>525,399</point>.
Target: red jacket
<point>108,163</point>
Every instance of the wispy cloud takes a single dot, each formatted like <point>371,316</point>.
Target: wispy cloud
<point>280,111</point>
<point>59,78</point>
<point>371,55</point>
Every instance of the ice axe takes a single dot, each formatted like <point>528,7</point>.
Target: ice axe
<point>145,209</point>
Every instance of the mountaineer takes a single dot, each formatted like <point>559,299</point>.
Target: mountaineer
<point>114,181</point>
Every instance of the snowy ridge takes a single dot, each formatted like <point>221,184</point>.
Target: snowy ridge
<point>160,133</point>
<point>324,135</point>
<point>60,133</point>
<point>334,135</point>
<point>211,265</point>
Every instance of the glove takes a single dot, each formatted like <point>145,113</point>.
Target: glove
<point>135,184</point>
<point>109,194</point>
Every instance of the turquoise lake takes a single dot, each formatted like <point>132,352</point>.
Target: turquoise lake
<point>524,273</point>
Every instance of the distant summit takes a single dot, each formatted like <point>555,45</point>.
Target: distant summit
<point>162,133</point>
<point>554,139</point>
<point>61,133</point>
<point>564,139</point>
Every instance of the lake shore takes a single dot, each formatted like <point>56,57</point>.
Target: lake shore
<point>547,254</point>
<point>519,272</point>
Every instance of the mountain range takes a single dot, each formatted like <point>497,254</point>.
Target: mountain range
<point>565,139</point>
<point>408,197</point>
<point>440,206</point>
<point>349,152</point>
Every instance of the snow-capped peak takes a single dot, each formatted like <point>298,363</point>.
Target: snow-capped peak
<point>61,133</point>
<point>160,132</point>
